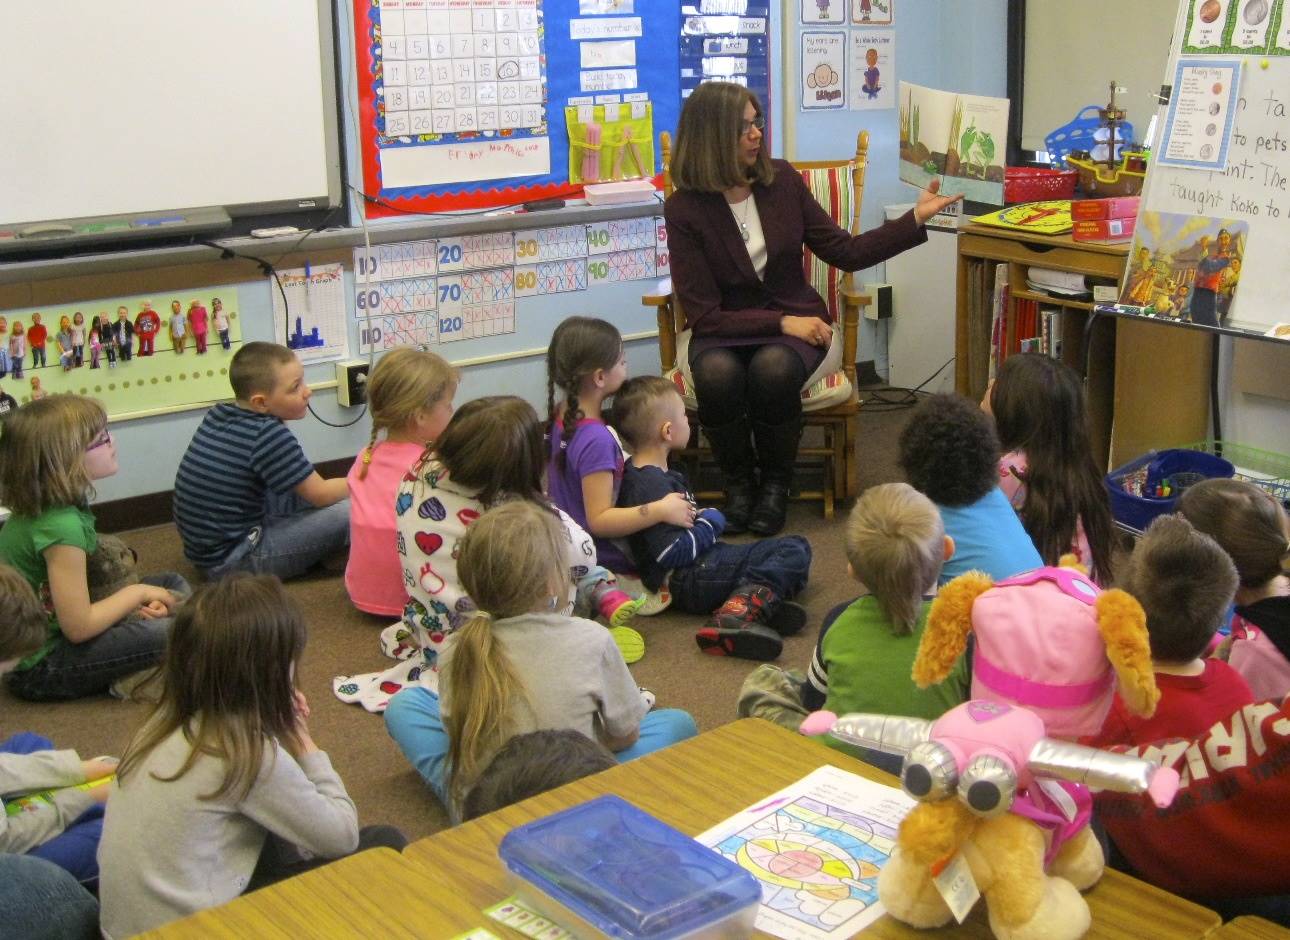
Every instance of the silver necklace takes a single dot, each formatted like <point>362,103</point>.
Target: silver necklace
<point>743,222</point>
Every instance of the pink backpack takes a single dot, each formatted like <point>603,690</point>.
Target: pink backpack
<point>1049,640</point>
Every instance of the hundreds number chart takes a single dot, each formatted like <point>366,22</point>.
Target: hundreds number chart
<point>461,91</point>
<point>394,295</point>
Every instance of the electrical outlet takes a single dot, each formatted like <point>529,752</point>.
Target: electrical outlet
<point>351,382</point>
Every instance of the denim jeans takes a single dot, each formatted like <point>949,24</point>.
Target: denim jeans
<point>75,670</point>
<point>781,564</point>
<point>40,901</point>
<point>413,721</point>
<point>37,356</point>
<point>294,537</point>
<point>75,849</point>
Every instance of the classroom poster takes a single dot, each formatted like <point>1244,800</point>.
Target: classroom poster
<point>871,57</point>
<point>872,12</point>
<point>164,379</point>
<point>958,139</point>
<point>309,312</point>
<point>823,62</point>
<point>818,12</point>
<point>1202,109</point>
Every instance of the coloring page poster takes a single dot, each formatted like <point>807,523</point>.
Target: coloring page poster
<point>872,58</point>
<point>817,12</point>
<point>872,12</point>
<point>823,70</point>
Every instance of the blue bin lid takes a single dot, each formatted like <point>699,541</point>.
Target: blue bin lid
<point>625,872</point>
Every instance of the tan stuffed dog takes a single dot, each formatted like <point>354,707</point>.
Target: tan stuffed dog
<point>1052,642</point>
<point>110,567</point>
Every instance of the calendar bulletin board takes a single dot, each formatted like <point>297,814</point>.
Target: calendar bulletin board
<point>462,103</point>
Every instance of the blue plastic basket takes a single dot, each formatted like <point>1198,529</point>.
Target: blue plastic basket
<point>1181,468</point>
<point>1079,135</point>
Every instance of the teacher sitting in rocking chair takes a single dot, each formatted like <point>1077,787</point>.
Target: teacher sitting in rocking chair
<point>736,225</point>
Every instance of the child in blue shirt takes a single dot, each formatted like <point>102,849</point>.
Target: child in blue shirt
<point>949,452</point>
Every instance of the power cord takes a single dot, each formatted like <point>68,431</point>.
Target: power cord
<point>878,401</point>
<point>269,270</point>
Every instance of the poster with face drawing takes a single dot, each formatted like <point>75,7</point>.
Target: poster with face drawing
<point>823,62</point>
<point>818,12</point>
<point>872,12</point>
<point>871,57</point>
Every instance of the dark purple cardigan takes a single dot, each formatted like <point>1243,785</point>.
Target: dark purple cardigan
<point>724,301</point>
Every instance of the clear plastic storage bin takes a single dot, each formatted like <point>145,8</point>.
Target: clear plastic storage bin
<point>607,868</point>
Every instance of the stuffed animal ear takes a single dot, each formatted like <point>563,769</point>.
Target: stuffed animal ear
<point>948,624</point>
<point>1071,560</point>
<point>1123,625</point>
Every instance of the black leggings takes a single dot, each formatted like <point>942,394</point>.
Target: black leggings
<point>279,859</point>
<point>762,382</point>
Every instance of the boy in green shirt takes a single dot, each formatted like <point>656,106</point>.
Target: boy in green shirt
<point>896,546</point>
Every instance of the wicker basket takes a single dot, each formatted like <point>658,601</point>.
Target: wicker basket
<point>1033,184</point>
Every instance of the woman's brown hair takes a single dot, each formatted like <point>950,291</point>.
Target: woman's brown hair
<point>493,445</point>
<point>1246,521</point>
<point>510,557</point>
<point>579,346</point>
<point>228,680</point>
<point>42,453</point>
<point>706,158</point>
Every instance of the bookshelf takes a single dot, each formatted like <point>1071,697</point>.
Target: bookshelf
<point>1147,383</point>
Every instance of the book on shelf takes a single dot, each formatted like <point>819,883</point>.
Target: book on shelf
<point>998,317</point>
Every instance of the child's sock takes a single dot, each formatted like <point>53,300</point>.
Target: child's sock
<point>648,697</point>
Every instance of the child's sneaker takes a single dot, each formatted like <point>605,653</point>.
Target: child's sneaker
<point>629,642</point>
<point>648,697</point>
<point>751,641</point>
<point>622,614</point>
<point>788,618</point>
<point>655,602</point>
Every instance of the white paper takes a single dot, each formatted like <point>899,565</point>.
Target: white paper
<point>609,54</point>
<point>466,161</point>
<point>1206,28</point>
<point>618,27</point>
<point>803,868</point>
<point>476,304</point>
<point>872,61</point>
<point>602,7</point>
<point>314,322</point>
<point>608,79</point>
<point>872,12</point>
<point>550,244</point>
<point>376,334</point>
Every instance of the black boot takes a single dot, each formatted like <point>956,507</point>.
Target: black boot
<point>776,456</point>
<point>732,447</point>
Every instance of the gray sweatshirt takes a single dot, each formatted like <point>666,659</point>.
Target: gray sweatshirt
<point>166,852</point>
<point>43,770</point>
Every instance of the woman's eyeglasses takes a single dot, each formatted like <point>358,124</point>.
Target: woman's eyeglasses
<point>758,122</point>
<point>101,441</point>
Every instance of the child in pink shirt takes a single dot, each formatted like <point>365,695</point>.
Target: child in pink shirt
<point>199,322</point>
<point>410,394</point>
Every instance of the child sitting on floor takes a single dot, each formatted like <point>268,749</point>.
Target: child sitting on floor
<point>63,824</point>
<point>1048,471</point>
<point>490,452</point>
<point>1184,582</point>
<point>521,662</point>
<point>896,547</point>
<point>222,790</point>
<point>746,588</point>
<point>1254,530</point>
<point>410,396</point>
<point>950,453</point>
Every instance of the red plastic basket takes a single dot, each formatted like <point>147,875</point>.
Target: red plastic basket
<point>1031,184</point>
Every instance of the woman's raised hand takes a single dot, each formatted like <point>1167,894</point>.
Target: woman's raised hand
<point>929,202</point>
<point>811,330</point>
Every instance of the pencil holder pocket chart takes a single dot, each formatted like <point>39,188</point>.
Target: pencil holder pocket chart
<point>610,141</point>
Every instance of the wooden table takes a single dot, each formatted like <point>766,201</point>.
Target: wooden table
<point>697,784</point>
<point>372,894</point>
<point>1250,928</point>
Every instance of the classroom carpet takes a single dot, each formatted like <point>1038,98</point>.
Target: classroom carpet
<point>343,640</point>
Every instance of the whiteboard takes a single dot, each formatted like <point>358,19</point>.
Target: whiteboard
<point>129,106</point>
<point>1255,187</point>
